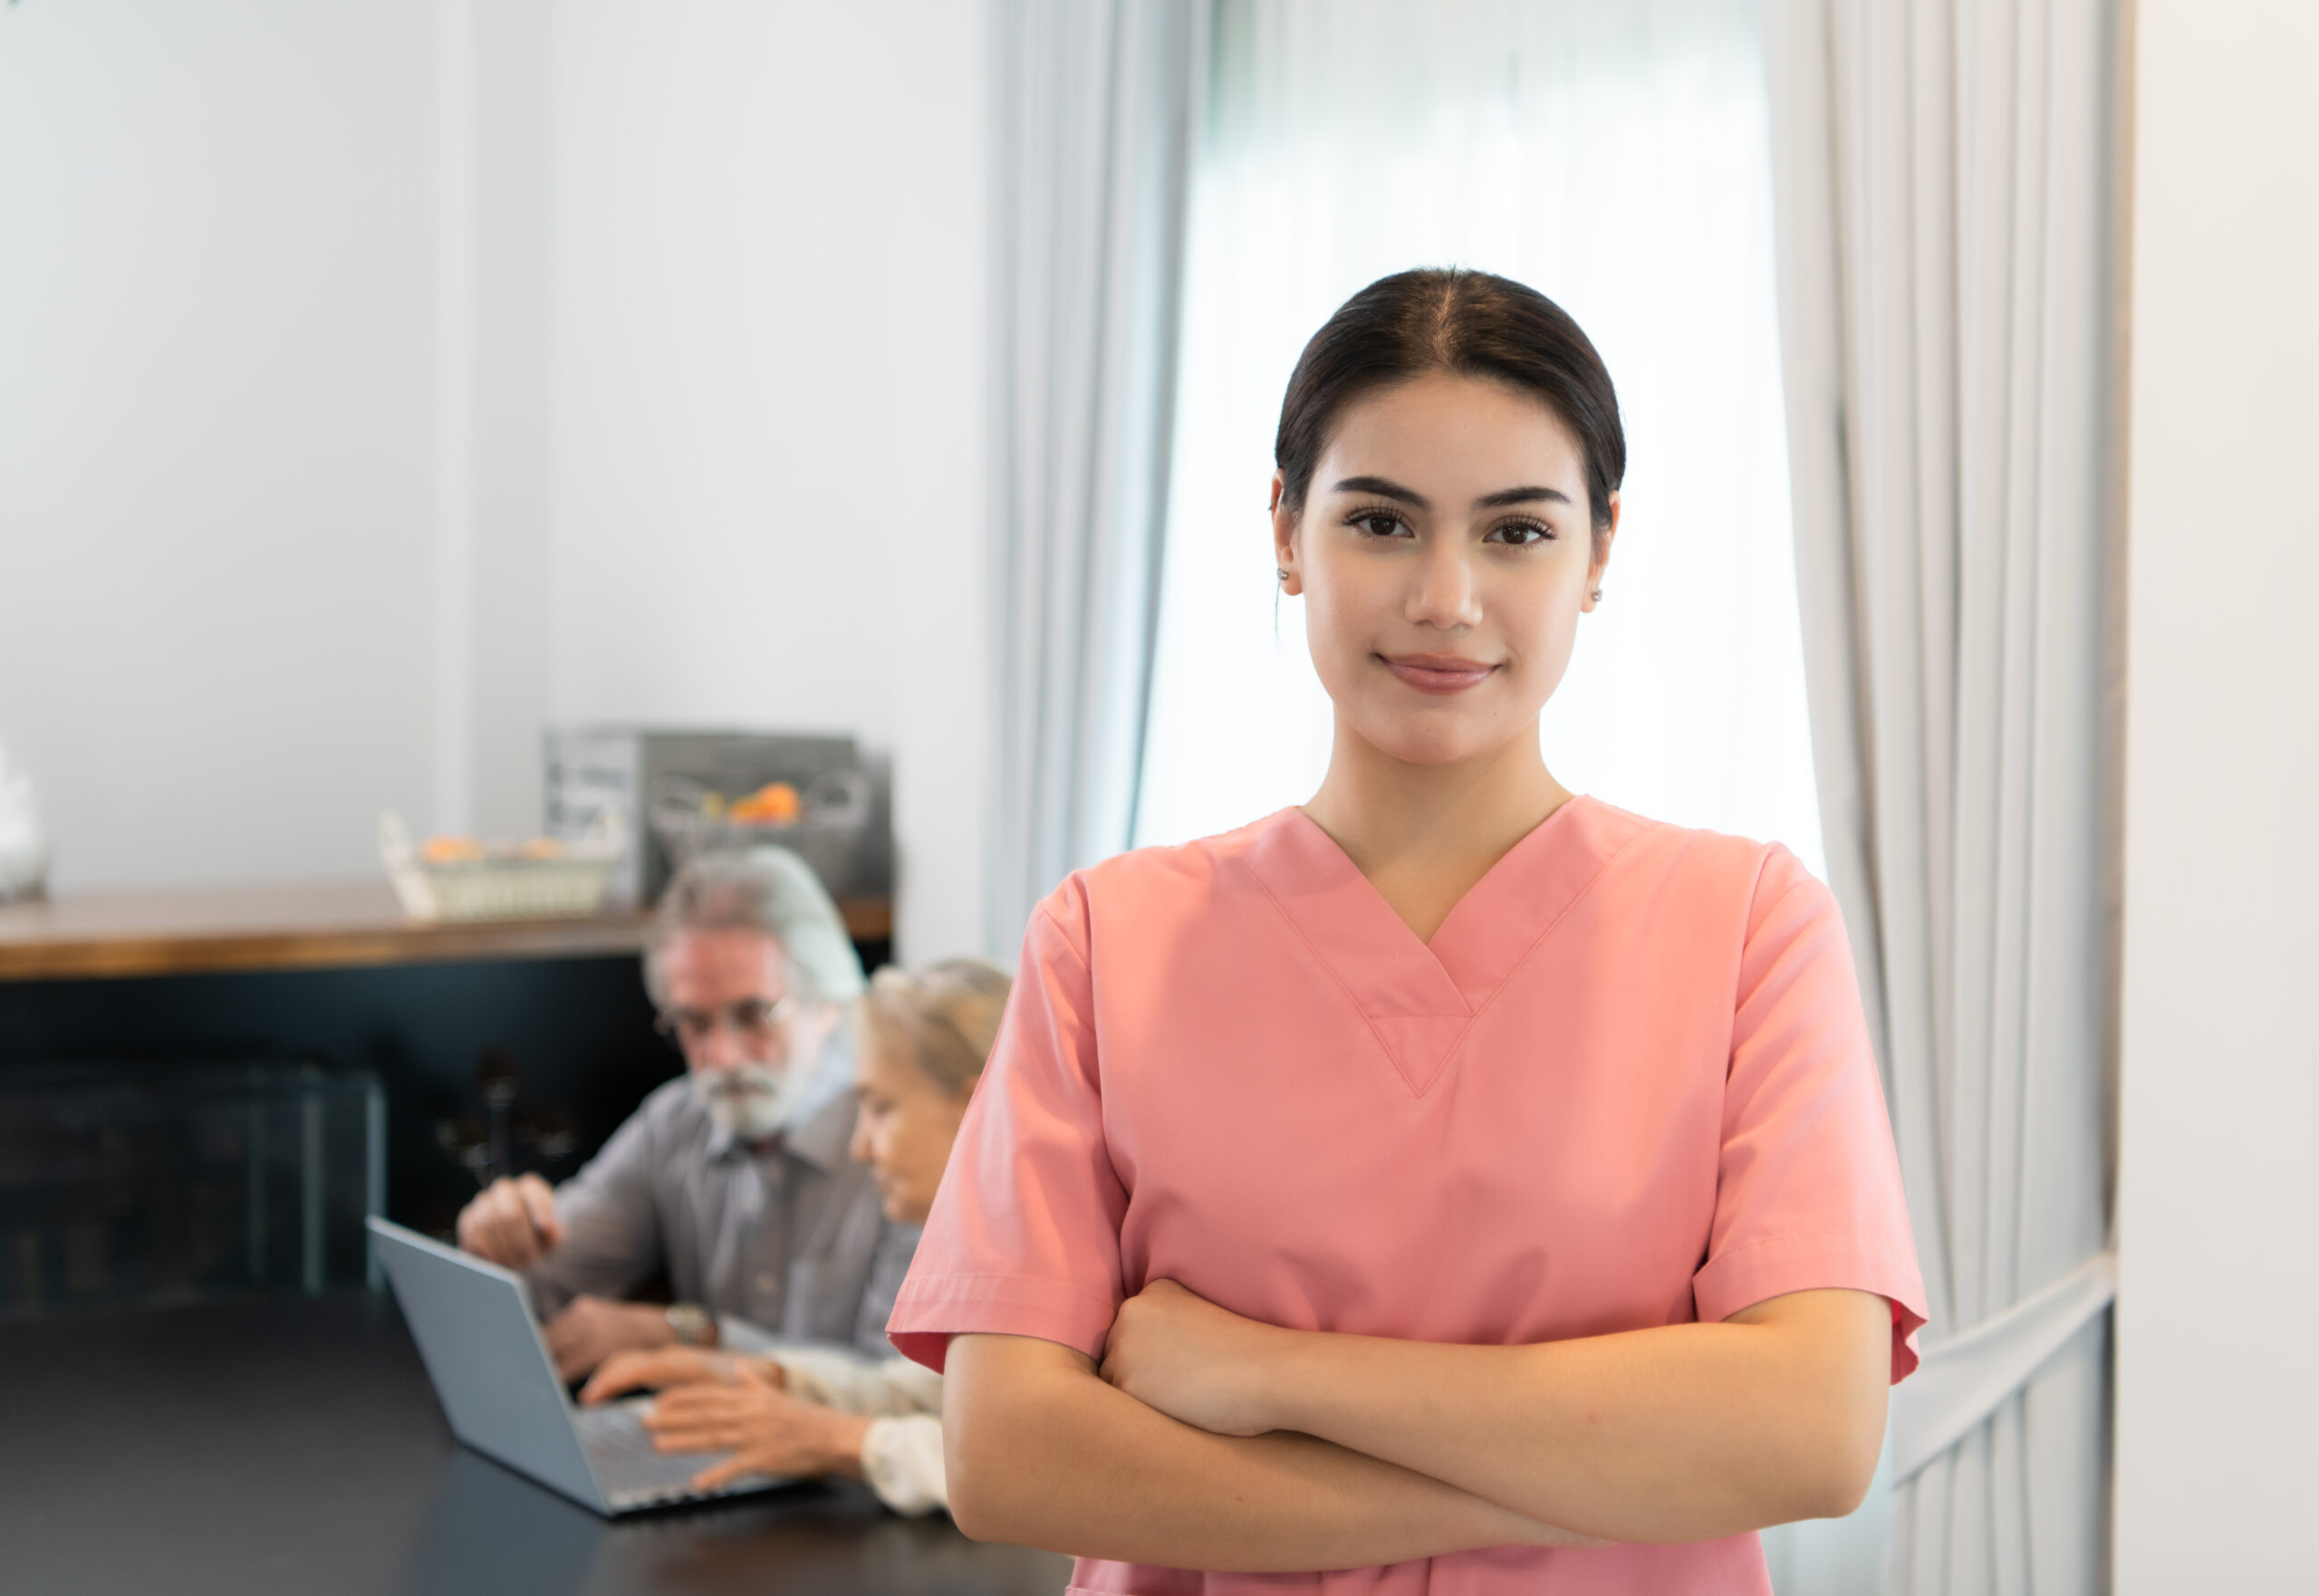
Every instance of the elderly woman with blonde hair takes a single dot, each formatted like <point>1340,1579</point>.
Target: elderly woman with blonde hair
<point>920,1042</point>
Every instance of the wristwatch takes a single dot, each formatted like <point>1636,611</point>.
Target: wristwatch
<point>695,1326</point>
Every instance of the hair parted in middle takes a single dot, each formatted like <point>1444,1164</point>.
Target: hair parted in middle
<point>1467,323</point>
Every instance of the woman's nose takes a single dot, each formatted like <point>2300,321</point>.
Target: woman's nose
<point>1445,594</point>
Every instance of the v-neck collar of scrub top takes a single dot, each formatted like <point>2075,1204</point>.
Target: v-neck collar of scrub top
<point>1421,998</point>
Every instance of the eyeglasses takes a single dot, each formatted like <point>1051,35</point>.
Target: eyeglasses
<point>756,1020</point>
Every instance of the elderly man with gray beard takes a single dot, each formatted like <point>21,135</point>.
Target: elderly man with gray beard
<point>732,1179</point>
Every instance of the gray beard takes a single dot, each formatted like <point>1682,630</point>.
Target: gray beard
<point>754,1101</point>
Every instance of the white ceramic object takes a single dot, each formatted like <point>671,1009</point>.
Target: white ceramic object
<point>24,842</point>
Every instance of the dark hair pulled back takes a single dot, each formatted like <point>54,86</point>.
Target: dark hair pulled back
<point>1470,323</point>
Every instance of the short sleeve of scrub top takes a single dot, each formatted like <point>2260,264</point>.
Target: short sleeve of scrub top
<point>1628,1083</point>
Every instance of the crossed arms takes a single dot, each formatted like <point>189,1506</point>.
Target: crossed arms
<point>1209,1442</point>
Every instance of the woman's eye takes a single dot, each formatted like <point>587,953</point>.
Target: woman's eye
<point>1378,524</point>
<point>1521,534</point>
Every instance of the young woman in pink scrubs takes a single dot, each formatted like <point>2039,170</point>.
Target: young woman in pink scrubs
<point>1455,1183</point>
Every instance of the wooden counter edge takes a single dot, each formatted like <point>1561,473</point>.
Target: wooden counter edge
<point>185,953</point>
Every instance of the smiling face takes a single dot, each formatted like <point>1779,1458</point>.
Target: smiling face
<point>1444,553</point>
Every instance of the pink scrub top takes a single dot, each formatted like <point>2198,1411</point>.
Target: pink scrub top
<point>1628,1083</point>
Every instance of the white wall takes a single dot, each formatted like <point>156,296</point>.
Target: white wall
<point>768,310</point>
<point>379,382</point>
<point>216,325</point>
<point>495,167</point>
<point>2217,1391</point>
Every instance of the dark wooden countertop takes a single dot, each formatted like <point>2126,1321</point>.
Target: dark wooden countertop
<point>326,926</point>
<point>292,1445</point>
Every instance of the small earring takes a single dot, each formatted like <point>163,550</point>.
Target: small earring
<point>1282,574</point>
<point>1598,595</point>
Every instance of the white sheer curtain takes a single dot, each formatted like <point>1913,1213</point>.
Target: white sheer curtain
<point>1945,171</point>
<point>1093,103</point>
<point>1611,153</point>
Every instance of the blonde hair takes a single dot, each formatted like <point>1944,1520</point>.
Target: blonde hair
<point>943,1017</point>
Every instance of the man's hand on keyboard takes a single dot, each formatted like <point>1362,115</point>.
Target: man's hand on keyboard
<point>592,1329</point>
<point>662,1367</point>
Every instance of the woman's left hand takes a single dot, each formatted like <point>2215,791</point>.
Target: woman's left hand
<point>768,1431</point>
<point>1175,1351</point>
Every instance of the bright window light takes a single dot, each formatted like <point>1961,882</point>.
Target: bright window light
<point>1612,154</point>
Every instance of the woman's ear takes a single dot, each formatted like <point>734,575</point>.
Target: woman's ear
<point>1601,561</point>
<point>1284,541</point>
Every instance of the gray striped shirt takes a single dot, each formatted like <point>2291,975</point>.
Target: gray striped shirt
<point>784,1239</point>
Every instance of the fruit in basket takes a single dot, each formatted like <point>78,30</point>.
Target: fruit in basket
<point>540,848</point>
<point>450,851</point>
<point>773,804</point>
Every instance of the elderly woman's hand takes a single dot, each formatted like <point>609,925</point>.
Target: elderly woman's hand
<point>1175,1351</point>
<point>767,1430</point>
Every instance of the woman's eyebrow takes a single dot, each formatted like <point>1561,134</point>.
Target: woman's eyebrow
<point>1520,495</point>
<point>1384,488</point>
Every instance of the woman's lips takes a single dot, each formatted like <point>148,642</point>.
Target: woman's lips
<point>1438,673</point>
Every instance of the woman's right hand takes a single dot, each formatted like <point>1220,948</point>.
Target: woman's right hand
<point>661,1367</point>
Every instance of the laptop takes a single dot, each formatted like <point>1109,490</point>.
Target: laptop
<point>481,1344</point>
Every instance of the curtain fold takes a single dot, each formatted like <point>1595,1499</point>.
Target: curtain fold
<point>1942,186</point>
<point>1095,104</point>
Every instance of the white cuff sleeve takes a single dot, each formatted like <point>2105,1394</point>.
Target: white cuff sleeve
<point>856,1384</point>
<point>902,1460</point>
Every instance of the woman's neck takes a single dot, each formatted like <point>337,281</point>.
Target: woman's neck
<point>1423,834</point>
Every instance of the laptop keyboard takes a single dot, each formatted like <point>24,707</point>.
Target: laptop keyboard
<point>630,1472</point>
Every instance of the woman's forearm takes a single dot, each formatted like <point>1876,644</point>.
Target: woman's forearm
<point>1042,1453</point>
<point>1684,1433</point>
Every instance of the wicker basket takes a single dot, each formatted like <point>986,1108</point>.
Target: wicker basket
<point>504,885</point>
<point>690,820</point>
